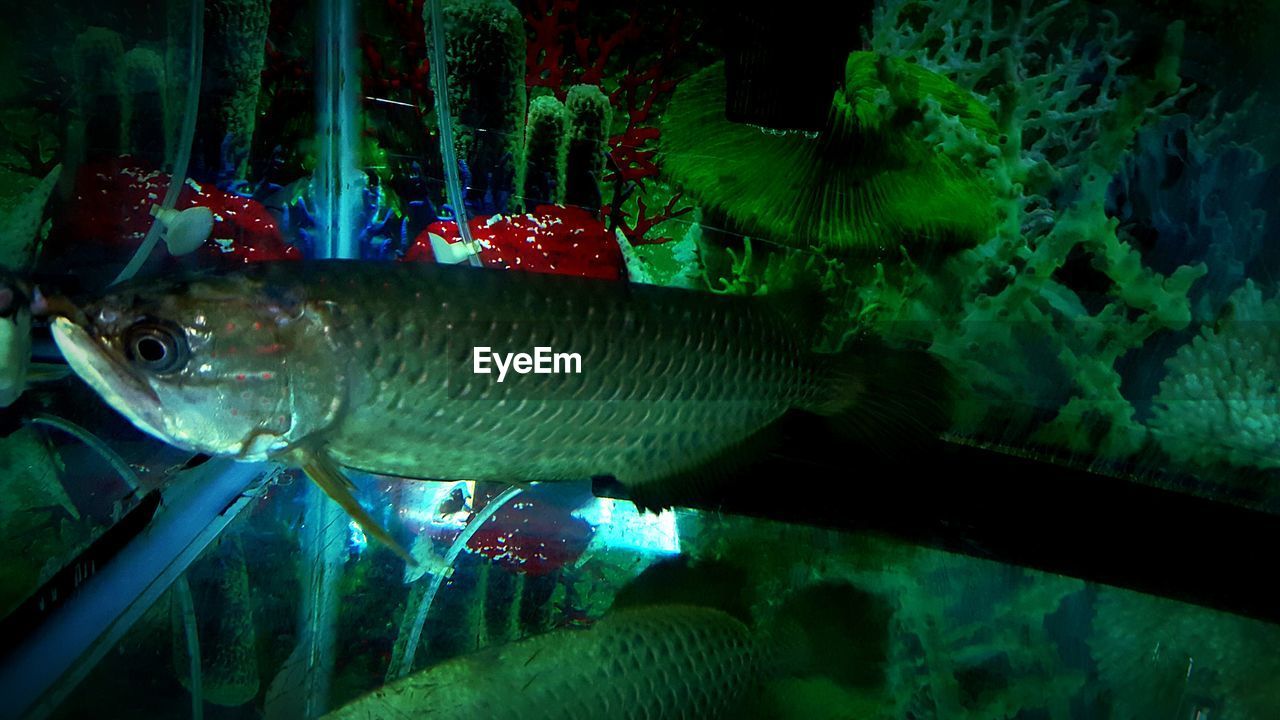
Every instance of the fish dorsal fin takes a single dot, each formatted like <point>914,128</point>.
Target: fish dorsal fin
<point>326,473</point>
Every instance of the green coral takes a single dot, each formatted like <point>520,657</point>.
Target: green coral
<point>97,61</point>
<point>20,225</point>
<point>589,116</point>
<point>228,638</point>
<point>485,52</point>
<point>1220,403</point>
<point>1033,353</point>
<point>148,124</point>
<point>234,54</point>
<point>545,148</point>
<point>870,181</point>
<point>32,514</point>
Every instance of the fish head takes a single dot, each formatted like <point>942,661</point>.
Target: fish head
<point>219,365</point>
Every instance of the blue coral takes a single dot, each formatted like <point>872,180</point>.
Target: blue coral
<point>1186,199</point>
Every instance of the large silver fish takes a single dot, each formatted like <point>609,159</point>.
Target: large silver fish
<point>373,366</point>
<point>647,663</point>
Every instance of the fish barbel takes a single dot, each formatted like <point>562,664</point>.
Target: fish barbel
<point>371,366</point>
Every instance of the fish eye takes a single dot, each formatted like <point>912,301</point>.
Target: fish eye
<point>155,346</point>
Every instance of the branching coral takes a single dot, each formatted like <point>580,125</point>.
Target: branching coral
<point>1220,402</point>
<point>561,54</point>
<point>1027,332</point>
<point>1188,194</point>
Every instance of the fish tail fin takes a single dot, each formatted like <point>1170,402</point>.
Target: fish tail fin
<point>832,630</point>
<point>885,397</point>
<point>324,472</point>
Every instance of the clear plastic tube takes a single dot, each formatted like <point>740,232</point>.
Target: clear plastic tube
<point>183,157</point>
<point>440,79</point>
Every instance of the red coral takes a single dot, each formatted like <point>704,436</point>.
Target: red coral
<point>406,67</point>
<point>544,65</point>
<point>633,152</point>
<point>552,239</point>
<point>112,205</point>
<point>644,222</point>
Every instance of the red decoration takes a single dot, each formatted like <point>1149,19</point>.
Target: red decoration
<point>552,239</point>
<point>644,222</point>
<point>633,152</point>
<point>402,65</point>
<point>534,534</point>
<point>112,205</point>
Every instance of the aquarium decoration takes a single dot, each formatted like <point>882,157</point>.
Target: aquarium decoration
<point>234,55</point>
<point>868,181</point>
<point>552,239</point>
<point>1220,401</point>
<point>227,640</point>
<point>1048,348</point>
<point>116,204</point>
<point>21,223</point>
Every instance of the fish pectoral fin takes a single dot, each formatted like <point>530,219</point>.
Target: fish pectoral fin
<point>326,473</point>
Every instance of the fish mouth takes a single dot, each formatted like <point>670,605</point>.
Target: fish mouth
<point>117,384</point>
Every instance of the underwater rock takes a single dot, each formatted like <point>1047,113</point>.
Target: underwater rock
<point>148,124</point>
<point>868,182</point>
<point>1220,402</point>
<point>545,146</point>
<point>485,44</point>
<point>552,239</point>
<point>98,59</point>
<point>234,53</point>
<point>589,116</point>
<point>111,213</point>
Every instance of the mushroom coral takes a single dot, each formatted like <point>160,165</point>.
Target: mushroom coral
<point>1220,402</point>
<point>870,180</point>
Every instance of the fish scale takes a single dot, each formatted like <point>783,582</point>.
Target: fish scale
<point>648,663</point>
<point>659,368</point>
<point>367,365</point>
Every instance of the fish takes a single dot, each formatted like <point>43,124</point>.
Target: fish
<point>340,365</point>
<point>661,661</point>
<point>680,641</point>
